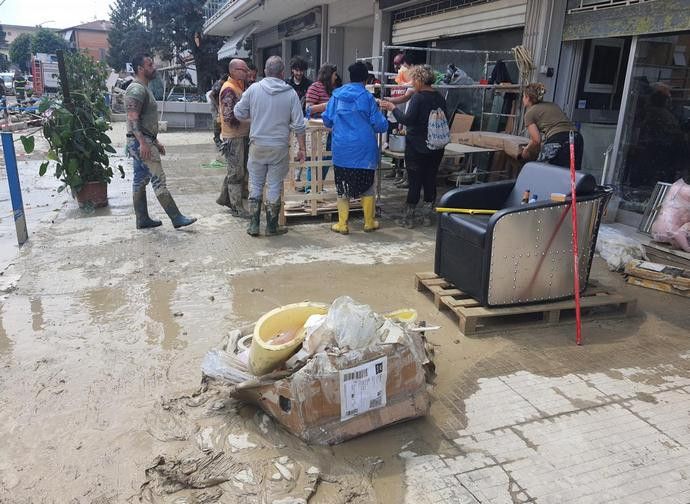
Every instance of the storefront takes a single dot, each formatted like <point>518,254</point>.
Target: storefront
<point>632,98</point>
<point>300,34</point>
<point>496,25</point>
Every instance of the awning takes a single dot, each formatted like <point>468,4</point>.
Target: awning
<point>651,16</point>
<point>233,47</point>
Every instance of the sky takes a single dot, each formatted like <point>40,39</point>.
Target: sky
<point>53,13</point>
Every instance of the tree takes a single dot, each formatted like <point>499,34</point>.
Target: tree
<point>175,27</point>
<point>47,41</point>
<point>129,35</point>
<point>20,51</point>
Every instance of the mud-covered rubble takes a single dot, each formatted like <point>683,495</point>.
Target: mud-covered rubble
<point>222,451</point>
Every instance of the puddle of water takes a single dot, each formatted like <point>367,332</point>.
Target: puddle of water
<point>37,323</point>
<point>159,310</point>
<point>104,301</point>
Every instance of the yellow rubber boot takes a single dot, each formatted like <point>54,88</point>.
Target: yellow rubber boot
<point>369,207</point>
<point>343,214</point>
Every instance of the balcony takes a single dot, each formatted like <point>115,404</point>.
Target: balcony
<point>214,9</point>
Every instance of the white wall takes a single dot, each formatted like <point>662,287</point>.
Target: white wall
<point>344,11</point>
<point>356,39</point>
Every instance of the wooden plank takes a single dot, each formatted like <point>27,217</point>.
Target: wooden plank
<point>660,286</point>
<point>440,293</point>
<point>585,302</point>
<point>419,277</point>
<point>452,302</point>
<point>552,316</point>
<point>469,311</point>
<point>468,325</point>
<point>675,277</point>
<point>432,282</point>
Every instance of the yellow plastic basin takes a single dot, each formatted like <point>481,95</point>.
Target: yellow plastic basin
<point>405,315</point>
<point>265,357</point>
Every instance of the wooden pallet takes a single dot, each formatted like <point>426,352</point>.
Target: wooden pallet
<point>474,318</point>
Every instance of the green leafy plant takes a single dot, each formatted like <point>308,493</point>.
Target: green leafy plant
<point>76,131</point>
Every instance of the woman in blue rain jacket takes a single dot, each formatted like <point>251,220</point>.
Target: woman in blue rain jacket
<point>355,118</point>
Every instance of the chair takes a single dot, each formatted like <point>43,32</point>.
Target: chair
<point>523,252</point>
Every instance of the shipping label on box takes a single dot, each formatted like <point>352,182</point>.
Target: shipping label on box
<point>363,388</point>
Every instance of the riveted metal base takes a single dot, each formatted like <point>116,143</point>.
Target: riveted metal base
<point>531,253</point>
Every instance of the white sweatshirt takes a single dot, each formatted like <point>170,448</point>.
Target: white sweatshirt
<point>274,109</point>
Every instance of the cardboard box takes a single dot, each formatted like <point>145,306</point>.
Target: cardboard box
<point>512,145</point>
<point>315,403</point>
<point>461,123</point>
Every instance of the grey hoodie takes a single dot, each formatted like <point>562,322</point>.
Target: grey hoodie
<point>274,109</point>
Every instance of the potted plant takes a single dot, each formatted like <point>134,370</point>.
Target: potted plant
<point>76,131</point>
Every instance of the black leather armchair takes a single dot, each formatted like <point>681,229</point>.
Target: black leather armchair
<point>522,253</point>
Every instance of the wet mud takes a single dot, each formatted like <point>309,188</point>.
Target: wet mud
<point>103,329</point>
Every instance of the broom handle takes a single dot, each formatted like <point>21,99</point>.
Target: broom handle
<point>470,211</point>
<point>576,261</point>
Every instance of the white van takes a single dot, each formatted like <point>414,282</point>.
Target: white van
<point>7,78</point>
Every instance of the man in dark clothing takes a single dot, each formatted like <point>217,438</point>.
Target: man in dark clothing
<point>19,86</point>
<point>298,81</point>
<point>3,103</point>
<point>213,95</point>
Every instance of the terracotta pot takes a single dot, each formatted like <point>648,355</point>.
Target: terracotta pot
<point>93,193</point>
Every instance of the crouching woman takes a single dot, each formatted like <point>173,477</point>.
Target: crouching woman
<point>355,118</point>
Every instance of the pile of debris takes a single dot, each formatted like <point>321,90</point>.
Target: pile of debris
<point>660,277</point>
<point>328,374</point>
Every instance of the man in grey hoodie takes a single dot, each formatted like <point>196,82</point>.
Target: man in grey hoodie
<point>274,109</point>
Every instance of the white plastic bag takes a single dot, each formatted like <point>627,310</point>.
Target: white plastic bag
<point>317,334</point>
<point>672,224</point>
<point>218,364</point>
<point>617,249</point>
<point>354,325</point>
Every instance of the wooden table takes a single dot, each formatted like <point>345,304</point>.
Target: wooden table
<point>468,152</point>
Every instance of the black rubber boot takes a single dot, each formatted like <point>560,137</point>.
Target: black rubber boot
<point>168,203</point>
<point>272,216</point>
<point>141,210</point>
<point>407,220</point>
<point>254,217</point>
<point>224,198</point>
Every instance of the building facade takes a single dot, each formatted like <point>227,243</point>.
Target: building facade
<point>14,31</point>
<point>619,68</point>
<point>90,37</point>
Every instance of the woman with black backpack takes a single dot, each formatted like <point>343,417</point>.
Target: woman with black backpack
<point>427,134</point>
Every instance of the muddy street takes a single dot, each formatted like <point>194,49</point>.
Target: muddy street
<point>103,329</point>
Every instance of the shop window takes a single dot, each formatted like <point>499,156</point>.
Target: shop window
<point>605,58</point>
<point>309,48</point>
<point>267,52</point>
<point>655,131</point>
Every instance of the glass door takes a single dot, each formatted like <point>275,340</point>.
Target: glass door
<point>309,48</point>
<point>267,52</point>
<point>655,131</point>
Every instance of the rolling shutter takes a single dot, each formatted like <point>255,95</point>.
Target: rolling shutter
<point>479,18</point>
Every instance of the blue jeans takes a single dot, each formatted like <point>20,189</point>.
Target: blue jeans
<point>147,171</point>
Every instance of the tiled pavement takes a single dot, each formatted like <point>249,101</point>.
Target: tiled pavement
<point>617,436</point>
